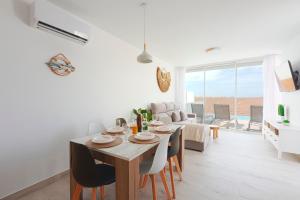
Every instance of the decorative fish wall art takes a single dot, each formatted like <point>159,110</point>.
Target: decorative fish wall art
<point>60,65</point>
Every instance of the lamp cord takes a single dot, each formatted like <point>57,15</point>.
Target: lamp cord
<point>145,25</point>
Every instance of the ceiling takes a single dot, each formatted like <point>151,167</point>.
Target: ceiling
<point>179,31</point>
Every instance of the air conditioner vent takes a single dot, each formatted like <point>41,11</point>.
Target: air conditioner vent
<point>47,27</point>
<point>50,18</point>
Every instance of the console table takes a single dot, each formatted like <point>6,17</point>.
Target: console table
<point>284,138</point>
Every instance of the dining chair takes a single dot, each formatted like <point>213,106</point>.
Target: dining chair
<point>155,165</point>
<point>87,173</point>
<point>121,122</point>
<point>173,150</point>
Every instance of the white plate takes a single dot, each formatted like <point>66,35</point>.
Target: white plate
<point>103,139</point>
<point>115,130</point>
<point>156,123</point>
<point>144,136</point>
<point>163,129</point>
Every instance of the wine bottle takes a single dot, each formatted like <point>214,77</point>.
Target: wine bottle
<point>139,122</point>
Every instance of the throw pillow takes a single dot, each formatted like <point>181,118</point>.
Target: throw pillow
<point>166,119</point>
<point>183,116</point>
<point>176,116</point>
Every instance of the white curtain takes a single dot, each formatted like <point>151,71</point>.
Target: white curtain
<point>180,93</point>
<point>272,95</point>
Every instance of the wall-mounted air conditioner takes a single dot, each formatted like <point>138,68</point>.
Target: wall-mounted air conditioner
<point>48,17</point>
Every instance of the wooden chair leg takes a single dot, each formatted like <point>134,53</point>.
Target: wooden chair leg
<point>153,187</point>
<point>94,194</point>
<point>172,178</point>
<point>145,181</point>
<point>141,181</point>
<point>177,167</point>
<point>77,192</point>
<point>101,192</point>
<point>163,178</point>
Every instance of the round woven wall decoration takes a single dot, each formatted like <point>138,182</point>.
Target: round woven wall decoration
<point>163,79</point>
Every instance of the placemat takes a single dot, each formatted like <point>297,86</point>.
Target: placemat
<point>154,140</point>
<point>116,142</point>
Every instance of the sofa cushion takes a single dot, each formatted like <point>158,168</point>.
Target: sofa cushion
<point>170,113</point>
<point>170,106</point>
<point>158,108</point>
<point>176,116</point>
<point>165,118</point>
<point>183,116</point>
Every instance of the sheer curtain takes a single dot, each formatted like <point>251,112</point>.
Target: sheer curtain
<point>180,93</point>
<point>272,95</point>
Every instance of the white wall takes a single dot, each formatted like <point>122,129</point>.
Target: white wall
<point>40,112</point>
<point>292,99</point>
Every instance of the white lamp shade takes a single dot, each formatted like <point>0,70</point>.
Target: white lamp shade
<point>144,57</point>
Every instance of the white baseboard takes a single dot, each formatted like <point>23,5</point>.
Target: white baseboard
<point>35,186</point>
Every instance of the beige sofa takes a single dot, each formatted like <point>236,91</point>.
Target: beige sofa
<point>196,135</point>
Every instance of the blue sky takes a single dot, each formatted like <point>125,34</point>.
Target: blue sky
<point>222,82</point>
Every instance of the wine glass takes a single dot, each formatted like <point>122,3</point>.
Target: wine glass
<point>126,131</point>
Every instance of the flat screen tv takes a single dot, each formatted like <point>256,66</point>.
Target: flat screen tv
<point>288,80</point>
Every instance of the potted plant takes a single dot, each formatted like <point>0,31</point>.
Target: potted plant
<point>281,112</point>
<point>147,114</point>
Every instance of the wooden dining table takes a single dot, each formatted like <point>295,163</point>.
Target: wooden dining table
<point>126,159</point>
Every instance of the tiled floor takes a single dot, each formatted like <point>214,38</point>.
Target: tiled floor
<point>237,166</point>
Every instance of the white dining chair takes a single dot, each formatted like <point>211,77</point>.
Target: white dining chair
<point>95,127</point>
<point>155,165</point>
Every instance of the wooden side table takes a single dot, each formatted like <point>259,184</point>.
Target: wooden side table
<point>215,130</point>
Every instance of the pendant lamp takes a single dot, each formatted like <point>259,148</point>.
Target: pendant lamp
<point>144,57</point>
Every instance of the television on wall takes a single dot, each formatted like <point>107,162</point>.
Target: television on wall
<point>288,80</point>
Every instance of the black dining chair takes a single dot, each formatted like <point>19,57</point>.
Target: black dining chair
<point>87,173</point>
<point>173,150</point>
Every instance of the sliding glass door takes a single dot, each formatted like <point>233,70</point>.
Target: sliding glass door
<point>249,97</point>
<point>229,96</point>
<point>195,93</point>
<point>219,97</point>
